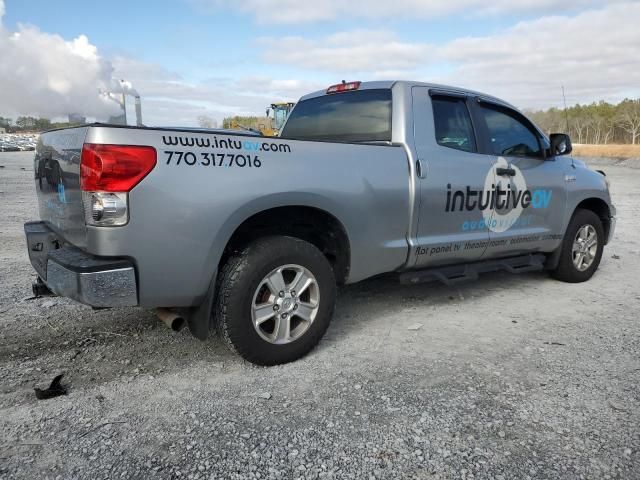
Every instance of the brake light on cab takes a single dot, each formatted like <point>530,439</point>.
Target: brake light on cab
<point>343,87</point>
<point>107,174</point>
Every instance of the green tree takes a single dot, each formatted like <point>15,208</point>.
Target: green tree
<point>245,122</point>
<point>26,123</point>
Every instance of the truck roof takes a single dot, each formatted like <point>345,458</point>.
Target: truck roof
<point>377,84</point>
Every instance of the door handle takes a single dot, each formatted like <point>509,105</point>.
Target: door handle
<point>510,172</point>
<point>421,171</point>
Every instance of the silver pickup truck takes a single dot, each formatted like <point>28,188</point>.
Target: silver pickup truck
<point>250,235</point>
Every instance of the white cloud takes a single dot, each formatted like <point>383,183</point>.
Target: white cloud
<point>296,11</point>
<point>593,54</point>
<point>347,52</point>
<point>44,74</point>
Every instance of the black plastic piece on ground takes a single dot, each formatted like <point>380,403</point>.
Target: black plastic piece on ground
<point>55,389</point>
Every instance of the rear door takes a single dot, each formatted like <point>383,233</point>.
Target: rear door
<point>530,196</point>
<point>452,175</point>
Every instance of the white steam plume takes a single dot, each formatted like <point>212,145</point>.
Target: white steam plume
<point>43,74</point>
<point>123,86</point>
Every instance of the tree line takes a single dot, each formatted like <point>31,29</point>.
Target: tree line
<point>31,124</point>
<point>239,121</point>
<point>597,123</point>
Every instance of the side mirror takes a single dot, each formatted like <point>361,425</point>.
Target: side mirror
<point>560,144</point>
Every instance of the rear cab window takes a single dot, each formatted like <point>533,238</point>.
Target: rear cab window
<point>352,117</point>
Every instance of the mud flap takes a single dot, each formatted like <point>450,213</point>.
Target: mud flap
<point>199,318</point>
<point>553,259</point>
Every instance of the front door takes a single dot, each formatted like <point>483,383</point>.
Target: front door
<point>530,199</point>
<point>454,206</point>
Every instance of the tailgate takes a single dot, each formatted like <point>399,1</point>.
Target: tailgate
<point>57,178</point>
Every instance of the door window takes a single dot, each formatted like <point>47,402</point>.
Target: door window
<point>508,134</point>
<point>453,125</point>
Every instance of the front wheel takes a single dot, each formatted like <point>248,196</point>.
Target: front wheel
<point>275,300</point>
<point>581,248</point>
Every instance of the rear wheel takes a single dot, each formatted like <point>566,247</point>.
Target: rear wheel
<point>275,300</point>
<point>581,248</point>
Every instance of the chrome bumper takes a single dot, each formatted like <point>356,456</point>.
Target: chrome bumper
<point>71,272</point>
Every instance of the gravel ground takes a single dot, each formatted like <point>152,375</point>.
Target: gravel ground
<point>507,377</point>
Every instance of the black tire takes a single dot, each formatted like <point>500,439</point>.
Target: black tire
<point>566,270</point>
<point>238,283</point>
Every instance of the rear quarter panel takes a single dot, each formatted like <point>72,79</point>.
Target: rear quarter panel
<point>182,215</point>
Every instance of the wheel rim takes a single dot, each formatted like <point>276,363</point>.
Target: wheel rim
<point>585,247</point>
<point>285,304</point>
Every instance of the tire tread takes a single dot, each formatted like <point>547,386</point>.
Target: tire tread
<point>566,271</point>
<point>231,276</point>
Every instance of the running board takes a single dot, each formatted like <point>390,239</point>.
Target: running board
<point>454,274</point>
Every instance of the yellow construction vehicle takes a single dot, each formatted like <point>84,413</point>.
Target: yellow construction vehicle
<point>269,125</point>
<point>280,112</point>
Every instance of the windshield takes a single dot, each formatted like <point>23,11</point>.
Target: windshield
<point>358,116</point>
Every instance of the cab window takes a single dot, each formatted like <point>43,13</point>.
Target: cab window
<point>358,116</point>
<point>452,122</point>
<point>509,135</point>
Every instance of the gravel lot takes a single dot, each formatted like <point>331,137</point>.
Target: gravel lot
<point>507,377</point>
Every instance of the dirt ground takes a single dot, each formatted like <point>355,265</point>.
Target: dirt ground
<point>507,377</point>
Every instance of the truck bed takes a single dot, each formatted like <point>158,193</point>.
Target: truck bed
<point>206,183</point>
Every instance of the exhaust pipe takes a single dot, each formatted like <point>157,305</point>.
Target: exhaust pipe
<point>171,319</point>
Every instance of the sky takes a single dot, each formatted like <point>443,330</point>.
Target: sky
<point>216,58</point>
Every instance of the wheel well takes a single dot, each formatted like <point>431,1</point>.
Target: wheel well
<point>306,223</point>
<point>600,208</point>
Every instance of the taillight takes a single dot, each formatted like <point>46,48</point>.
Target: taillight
<point>114,168</point>
<point>107,174</point>
<point>343,87</point>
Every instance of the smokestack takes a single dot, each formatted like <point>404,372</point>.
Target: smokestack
<point>138,111</point>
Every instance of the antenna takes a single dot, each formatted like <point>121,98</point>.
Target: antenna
<point>566,118</point>
<point>566,114</point>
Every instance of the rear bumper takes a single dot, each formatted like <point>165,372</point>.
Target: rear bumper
<point>71,272</point>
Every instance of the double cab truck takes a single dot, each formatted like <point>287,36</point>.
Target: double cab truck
<point>250,235</point>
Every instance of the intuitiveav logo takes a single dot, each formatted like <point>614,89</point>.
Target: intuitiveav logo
<point>502,200</point>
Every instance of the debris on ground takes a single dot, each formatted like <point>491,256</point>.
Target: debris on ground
<point>56,389</point>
